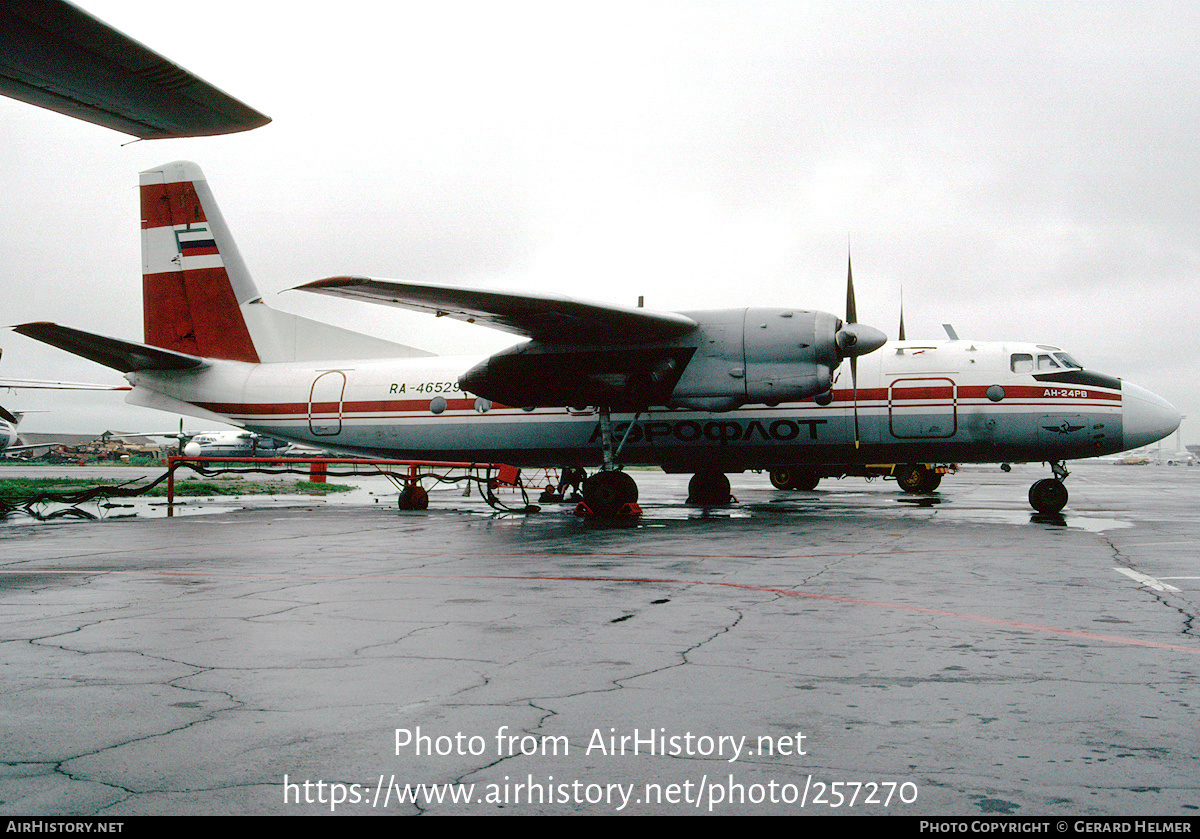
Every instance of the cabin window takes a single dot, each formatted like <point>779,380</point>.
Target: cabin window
<point>1022,362</point>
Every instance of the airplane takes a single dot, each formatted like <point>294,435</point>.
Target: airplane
<point>596,385</point>
<point>225,443</point>
<point>57,56</point>
<point>9,420</point>
<point>8,430</point>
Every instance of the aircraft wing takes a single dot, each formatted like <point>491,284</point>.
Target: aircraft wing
<point>551,318</point>
<point>57,56</point>
<point>124,356</point>
<point>31,447</point>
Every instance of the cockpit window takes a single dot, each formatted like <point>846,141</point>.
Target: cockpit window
<point>1045,362</point>
<point>1022,362</point>
<point>1067,361</point>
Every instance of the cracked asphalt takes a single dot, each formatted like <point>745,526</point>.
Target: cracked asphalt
<point>849,650</point>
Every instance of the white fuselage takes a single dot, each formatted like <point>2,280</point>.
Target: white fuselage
<point>947,401</point>
<point>8,434</point>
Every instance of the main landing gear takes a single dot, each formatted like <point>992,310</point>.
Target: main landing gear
<point>609,492</point>
<point>612,492</point>
<point>1048,496</point>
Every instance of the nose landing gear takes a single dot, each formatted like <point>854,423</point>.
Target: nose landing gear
<point>1048,496</point>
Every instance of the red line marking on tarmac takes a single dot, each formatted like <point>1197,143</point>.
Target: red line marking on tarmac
<point>1053,630</point>
<point>1075,633</point>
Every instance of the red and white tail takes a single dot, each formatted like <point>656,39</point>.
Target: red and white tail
<point>193,280</point>
<point>198,297</point>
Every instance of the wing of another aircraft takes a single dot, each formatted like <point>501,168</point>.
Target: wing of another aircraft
<point>57,56</point>
<point>550,318</point>
<point>44,384</point>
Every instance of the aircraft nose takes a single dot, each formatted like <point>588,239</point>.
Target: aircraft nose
<point>1145,416</point>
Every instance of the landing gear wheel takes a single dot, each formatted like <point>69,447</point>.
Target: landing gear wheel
<point>413,498</point>
<point>789,478</point>
<point>917,479</point>
<point>1048,496</point>
<point>708,488</point>
<point>605,493</point>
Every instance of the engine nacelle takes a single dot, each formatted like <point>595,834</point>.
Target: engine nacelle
<point>758,356</point>
<point>732,357</point>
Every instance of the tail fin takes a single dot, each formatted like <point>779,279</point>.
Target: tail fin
<point>198,297</point>
<point>193,280</point>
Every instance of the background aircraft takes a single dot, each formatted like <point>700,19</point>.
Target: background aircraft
<point>224,443</point>
<point>10,420</point>
<point>706,392</point>
<point>57,56</point>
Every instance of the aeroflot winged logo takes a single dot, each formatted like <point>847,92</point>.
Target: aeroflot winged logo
<point>1063,427</point>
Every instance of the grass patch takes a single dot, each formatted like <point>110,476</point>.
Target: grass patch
<point>190,487</point>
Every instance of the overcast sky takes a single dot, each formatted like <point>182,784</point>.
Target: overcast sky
<point>1024,170</point>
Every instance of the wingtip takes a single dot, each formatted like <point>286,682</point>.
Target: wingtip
<point>331,282</point>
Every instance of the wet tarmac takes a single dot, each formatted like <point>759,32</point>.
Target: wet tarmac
<point>852,650</point>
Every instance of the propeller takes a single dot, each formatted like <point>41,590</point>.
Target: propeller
<point>901,336</point>
<point>855,339</point>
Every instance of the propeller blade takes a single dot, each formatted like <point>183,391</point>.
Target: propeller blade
<point>902,314</point>
<point>852,347</point>
<point>854,381</point>
<point>855,339</point>
<point>851,311</point>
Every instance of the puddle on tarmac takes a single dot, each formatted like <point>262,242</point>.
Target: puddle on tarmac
<point>656,508</point>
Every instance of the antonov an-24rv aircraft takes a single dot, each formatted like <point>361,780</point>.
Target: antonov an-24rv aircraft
<point>706,392</point>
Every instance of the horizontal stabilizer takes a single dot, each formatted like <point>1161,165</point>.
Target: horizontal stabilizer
<point>551,318</point>
<point>124,356</point>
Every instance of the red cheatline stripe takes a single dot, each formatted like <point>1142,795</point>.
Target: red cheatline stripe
<point>365,410</point>
<point>303,408</point>
<point>460,404</point>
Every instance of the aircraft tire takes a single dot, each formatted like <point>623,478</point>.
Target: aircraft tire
<point>413,498</point>
<point>917,479</point>
<point>1048,496</point>
<point>605,493</point>
<point>708,489</point>
<point>793,478</point>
